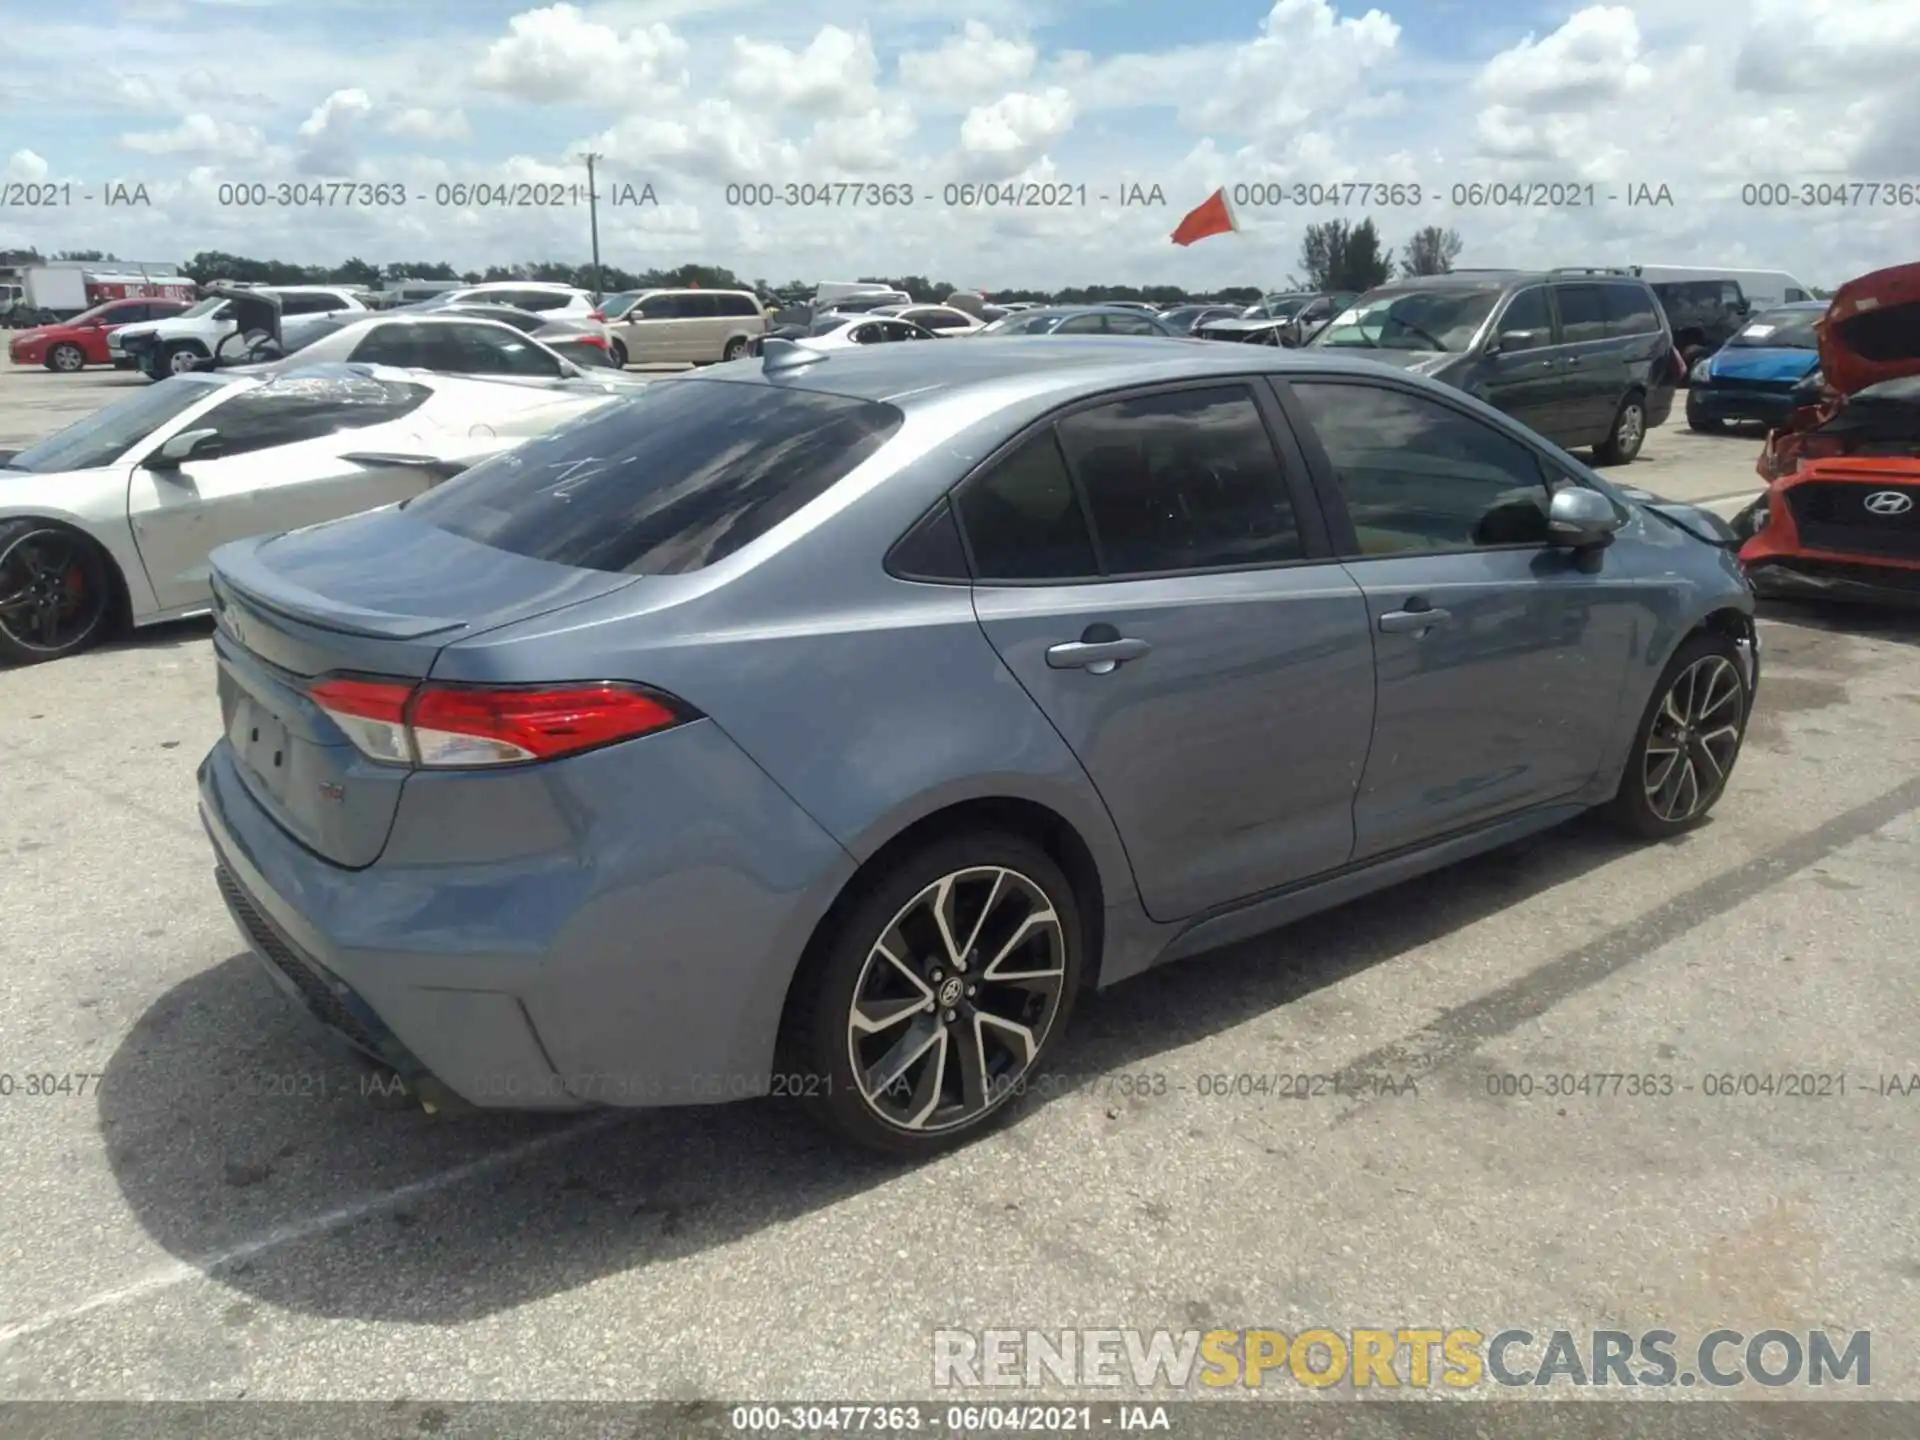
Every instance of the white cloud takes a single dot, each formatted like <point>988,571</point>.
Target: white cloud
<point>27,167</point>
<point>420,123</point>
<point>337,111</point>
<point>974,63</point>
<point>1594,57</point>
<point>556,55</point>
<point>1001,139</point>
<point>834,75</point>
<point>198,136</point>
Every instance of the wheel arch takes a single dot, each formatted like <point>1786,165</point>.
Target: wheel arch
<point>1021,816</point>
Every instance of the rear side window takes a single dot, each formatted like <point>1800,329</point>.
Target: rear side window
<point>1630,311</point>
<point>674,479</point>
<point>1583,313</point>
<point>1182,481</point>
<point>1024,521</point>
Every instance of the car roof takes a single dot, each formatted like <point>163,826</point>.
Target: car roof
<point>910,375</point>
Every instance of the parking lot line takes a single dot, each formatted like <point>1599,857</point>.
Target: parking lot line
<point>207,1266</point>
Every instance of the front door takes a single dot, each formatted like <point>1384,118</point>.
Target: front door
<point>277,467</point>
<point>1160,586</point>
<point>1499,659</point>
<point>1524,377</point>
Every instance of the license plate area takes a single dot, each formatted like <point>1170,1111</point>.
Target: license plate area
<point>261,743</point>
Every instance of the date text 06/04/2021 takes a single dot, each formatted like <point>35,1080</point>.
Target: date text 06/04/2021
<point>967,195</point>
<point>447,195</point>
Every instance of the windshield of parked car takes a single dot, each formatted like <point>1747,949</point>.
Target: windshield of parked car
<point>104,436</point>
<point>614,306</point>
<point>205,307</point>
<point>827,324</point>
<point>1410,320</point>
<point>1275,307</point>
<point>1780,330</point>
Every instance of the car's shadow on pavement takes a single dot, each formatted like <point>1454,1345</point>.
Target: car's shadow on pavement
<point>246,1145</point>
<point>1893,624</point>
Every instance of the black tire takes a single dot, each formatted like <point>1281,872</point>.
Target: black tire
<point>818,1039</point>
<point>47,566</point>
<point>1634,806</point>
<point>1627,433</point>
<point>66,358</point>
<point>125,364</point>
<point>173,359</point>
<point>1705,424</point>
<point>619,354</point>
<point>736,347</point>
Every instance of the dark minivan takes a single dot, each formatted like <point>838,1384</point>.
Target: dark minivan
<point>1584,358</point>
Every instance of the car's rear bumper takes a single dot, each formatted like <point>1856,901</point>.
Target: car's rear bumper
<point>637,953</point>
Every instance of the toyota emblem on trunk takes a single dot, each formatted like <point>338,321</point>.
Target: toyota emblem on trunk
<point>1888,502</point>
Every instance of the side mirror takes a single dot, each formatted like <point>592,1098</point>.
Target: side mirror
<point>1508,341</point>
<point>1581,519</point>
<point>187,445</point>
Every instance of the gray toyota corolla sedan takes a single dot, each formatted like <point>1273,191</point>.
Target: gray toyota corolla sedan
<point>820,725</point>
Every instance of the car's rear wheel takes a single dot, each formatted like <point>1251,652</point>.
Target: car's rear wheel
<point>56,591</point>
<point>1705,424</point>
<point>66,358</point>
<point>922,1015</point>
<point>1684,751</point>
<point>1628,434</point>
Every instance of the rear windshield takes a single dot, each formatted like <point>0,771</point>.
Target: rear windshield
<point>681,475</point>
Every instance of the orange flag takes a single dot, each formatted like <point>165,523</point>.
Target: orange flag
<point>1212,216</point>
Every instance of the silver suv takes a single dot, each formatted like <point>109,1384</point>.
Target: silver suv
<point>688,327</point>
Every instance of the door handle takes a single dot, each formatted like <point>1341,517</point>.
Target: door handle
<point>1099,657</point>
<point>1416,619</point>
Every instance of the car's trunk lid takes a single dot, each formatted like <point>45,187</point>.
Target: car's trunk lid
<point>1871,331</point>
<point>294,607</point>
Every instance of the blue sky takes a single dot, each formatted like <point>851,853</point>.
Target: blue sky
<point>194,97</point>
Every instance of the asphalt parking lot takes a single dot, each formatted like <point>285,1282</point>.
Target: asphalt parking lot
<point>224,1212</point>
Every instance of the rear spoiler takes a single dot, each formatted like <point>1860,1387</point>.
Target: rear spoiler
<point>433,465</point>
<point>238,574</point>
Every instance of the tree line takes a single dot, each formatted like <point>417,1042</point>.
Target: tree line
<point>1334,255</point>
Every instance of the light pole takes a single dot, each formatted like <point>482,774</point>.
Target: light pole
<point>593,221</point>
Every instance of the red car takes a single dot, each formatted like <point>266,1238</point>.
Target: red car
<point>82,341</point>
<point>1841,515</point>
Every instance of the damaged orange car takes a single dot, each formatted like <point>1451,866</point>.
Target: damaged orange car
<point>1840,518</point>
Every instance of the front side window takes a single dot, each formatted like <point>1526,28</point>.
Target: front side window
<point>1082,325</point>
<point>1182,481</point>
<point>486,350</point>
<point>399,344</point>
<point>298,407</point>
<point>659,307</point>
<point>1418,475</point>
<point>673,479</point>
<point>1527,315</point>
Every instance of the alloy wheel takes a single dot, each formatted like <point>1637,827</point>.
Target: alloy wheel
<point>1695,736</point>
<point>182,362</point>
<point>48,600</point>
<point>956,998</point>
<point>68,358</point>
<point>1631,430</point>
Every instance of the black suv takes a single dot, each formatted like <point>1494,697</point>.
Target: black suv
<point>1583,357</point>
<point>1703,314</point>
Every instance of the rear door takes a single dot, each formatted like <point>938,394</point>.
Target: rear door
<point>279,468</point>
<point>1500,660</point>
<point>1157,576</point>
<point>1593,370</point>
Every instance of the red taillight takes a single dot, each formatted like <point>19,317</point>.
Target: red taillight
<point>599,342</point>
<point>465,726</point>
<point>599,315</point>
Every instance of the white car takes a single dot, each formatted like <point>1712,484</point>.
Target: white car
<point>554,301</point>
<point>836,332</point>
<point>113,518</point>
<point>188,341</point>
<point>945,321</point>
<point>459,344</point>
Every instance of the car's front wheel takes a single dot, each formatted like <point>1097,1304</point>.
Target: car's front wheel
<point>1628,434</point>
<point>181,359</point>
<point>56,591</point>
<point>1684,751</point>
<point>619,354</point>
<point>736,347</point>
<point>66,358</point>
<point>925,1010</point>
